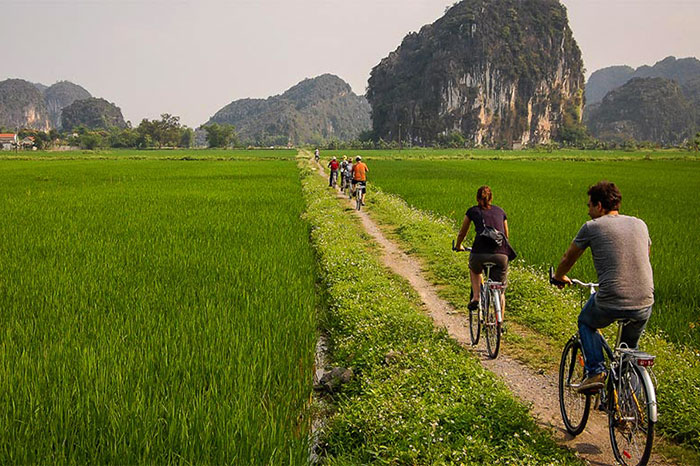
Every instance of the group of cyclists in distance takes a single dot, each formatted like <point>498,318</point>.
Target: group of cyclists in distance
<point>621,248</point>
<point>351,173</point>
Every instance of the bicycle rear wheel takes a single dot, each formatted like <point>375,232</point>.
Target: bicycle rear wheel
<point>474,323</point>
<point>630,425</point>
<point>492,328</point>
<point>575,407</point>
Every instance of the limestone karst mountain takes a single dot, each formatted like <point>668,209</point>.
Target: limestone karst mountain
<point>22,106</point>
<point>314,110</point>
<point>61,95</point>
<point>93,113</point>
<point>659,103</point>
<point>644,109</point>
<point>496,72</point>
<point>606,79</point>
<point>35,105</point>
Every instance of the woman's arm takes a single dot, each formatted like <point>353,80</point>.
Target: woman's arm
<point>463,232</point>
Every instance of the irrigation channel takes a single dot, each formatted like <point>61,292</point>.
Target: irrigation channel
<point>534,389</point>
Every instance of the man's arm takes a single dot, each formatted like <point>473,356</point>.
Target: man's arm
<point>567,261</point>
<point>463,232</point>
<point>505,227</point>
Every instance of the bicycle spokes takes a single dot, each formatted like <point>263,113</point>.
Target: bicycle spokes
<point>574,406</point>
<point>631,429</point>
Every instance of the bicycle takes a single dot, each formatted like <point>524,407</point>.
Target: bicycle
<point>628,396</point>
<point>492,319</point>
<point>360,189</point>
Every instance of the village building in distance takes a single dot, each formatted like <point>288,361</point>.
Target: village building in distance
<point>10,141</point>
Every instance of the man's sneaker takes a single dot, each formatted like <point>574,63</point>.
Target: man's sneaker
<point>593,383</point>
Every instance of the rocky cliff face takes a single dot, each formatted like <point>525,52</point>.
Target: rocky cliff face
<point>61,95</point>
<point>34,105</point>
<point>312,111</point>
<point>498,72</point>
<point>22,106</point>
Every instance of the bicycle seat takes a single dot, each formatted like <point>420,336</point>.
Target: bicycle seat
<point>489,264</point>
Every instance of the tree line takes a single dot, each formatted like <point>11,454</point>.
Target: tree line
<point>166,132</point>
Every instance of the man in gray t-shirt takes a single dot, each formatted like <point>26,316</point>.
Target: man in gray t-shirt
<point>620,246</point>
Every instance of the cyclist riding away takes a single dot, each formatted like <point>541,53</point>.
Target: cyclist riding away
<point>348,171</point>
<point>620,245</point>
<point>359,176</point>
<point>333,165</point>
<point>343,170</point>
<point>317,155</point>
<point>483,215</point>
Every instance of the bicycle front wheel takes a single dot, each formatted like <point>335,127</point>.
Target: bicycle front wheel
<point>474,323</point>
<point>575,407</point>
<point>629,421</point>
<point>492,327</point>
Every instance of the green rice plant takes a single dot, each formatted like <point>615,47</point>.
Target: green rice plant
<point>532,301</point>
<point>417,397</point>
<point>546,205</point>
<point>154,312</point>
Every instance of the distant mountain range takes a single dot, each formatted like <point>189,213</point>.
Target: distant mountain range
<point>313,111</point>
<point>37,106</point>
<point>605,80</point>
<point>659,103</point>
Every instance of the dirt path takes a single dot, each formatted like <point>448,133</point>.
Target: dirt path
<point>537,390</point>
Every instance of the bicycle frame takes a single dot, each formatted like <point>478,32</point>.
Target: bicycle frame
<point>495,290</point>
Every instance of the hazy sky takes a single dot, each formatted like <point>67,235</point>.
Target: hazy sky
<point>191,57</point>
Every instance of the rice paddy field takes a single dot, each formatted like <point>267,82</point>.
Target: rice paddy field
<point>546,204</point>
<point>154,312</point>
<point>160,154</point>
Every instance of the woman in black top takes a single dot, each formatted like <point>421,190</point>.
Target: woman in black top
<point>484,213</point>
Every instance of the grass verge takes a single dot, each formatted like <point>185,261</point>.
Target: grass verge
<point>417,397</point>
<point>534,303</point>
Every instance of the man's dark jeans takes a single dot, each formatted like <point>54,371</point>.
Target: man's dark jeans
<point>592,318</point>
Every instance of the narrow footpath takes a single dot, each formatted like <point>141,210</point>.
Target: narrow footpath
<point>539,391</point>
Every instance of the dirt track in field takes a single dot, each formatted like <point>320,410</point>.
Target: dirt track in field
<point>539,391</point>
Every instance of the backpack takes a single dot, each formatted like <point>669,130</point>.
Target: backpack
<point>490,237</point>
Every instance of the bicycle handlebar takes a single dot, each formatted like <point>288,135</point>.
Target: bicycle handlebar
<point>554,281</point>
<point>459,250</point>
